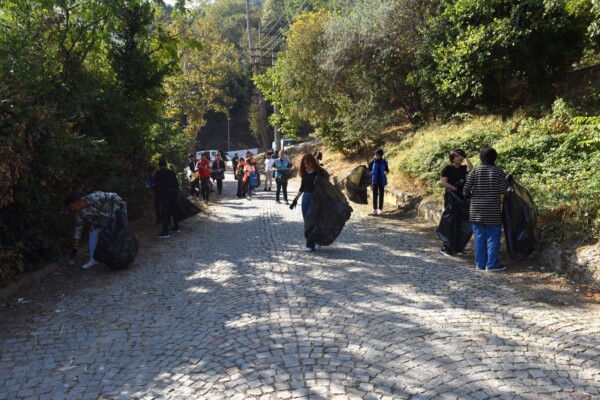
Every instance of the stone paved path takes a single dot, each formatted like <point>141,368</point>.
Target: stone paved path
<point>231,308</point>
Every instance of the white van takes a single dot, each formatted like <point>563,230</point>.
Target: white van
<point>212,154</point>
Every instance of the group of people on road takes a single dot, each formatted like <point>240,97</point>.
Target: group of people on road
<point>482,187</point>
<point>202,172</point>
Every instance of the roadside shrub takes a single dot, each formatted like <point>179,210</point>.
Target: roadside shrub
<point>555,157</point>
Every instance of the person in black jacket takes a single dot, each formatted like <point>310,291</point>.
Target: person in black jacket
<point>168,188</point>
<point>309,169</point>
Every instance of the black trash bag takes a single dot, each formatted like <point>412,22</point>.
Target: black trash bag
<point>357,183</point>
<point>455,230</point>
<point>117,243</point>
<point>185,208</point>
<point>519,218</point>
<point>328,212</point>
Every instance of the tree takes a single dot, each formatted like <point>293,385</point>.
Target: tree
<point>475,49</point>
<point>201,86</point>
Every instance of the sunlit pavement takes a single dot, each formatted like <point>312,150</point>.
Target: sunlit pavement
<point>233,308</point>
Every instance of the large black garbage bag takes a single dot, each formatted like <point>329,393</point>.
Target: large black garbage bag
<point>117,243</point>
<point>357,183</point>
<point>328,212</point>
<point>519,218</point>
<point>185,208</point>
<point>455,230</point>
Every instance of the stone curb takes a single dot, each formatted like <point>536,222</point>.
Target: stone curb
<point>29,278</point>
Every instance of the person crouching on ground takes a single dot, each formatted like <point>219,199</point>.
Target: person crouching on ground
<point>453,178</point>
<point>98,209</point>
<point>484,187</point>
<point>309,169</point>
<point>168,188</point>
<point>379,170</point>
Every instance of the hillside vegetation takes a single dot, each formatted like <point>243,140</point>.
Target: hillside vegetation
<point>92,92</point>
<point>555,157</point>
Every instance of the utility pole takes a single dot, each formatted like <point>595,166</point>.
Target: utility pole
<point>276,111</point>
<point>262,105</point>
<point>248,32</point>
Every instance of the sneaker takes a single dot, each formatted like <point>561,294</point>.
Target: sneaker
<point>175,230</point>
<point>446,252</point>
<point>89,264</point>
<point>287,202</point>
<point>379,212</point>
<point>163,235</point>
<point>308,249</point>
<point>277,201</point>
<point>497,268</point>
<point>374,212</point>
<point>317,246</point>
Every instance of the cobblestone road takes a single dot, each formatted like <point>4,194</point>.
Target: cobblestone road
<point>232,308</point>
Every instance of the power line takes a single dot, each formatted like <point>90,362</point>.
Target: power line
<point>286,25</point>
<point>275,24</point>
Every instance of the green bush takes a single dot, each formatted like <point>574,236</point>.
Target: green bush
<point>555,157</point>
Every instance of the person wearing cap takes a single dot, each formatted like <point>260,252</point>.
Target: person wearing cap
<point>453,178</point>
<point>484,188</point>
<point>379,170</point>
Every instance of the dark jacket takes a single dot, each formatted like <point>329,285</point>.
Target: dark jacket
<point>166,180</point>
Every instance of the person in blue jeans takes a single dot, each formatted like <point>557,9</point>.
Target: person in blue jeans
<point>484,188</point>
<point>308,171</point>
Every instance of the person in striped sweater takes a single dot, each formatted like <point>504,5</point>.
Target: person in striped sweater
<point>484,187</point>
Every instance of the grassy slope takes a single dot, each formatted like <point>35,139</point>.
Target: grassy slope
<point>555,157</point>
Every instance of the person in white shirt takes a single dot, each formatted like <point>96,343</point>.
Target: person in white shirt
<point>269,161</point>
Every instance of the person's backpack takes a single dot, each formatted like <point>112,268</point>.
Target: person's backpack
<point>254,182</point>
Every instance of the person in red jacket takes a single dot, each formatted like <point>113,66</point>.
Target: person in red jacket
<point>203,167</point>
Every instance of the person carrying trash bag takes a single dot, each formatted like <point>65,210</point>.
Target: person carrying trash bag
<point>455,229</point>
<point>99,209</point>
<point>519,218</point>
<point>357,183</point>
<point>324,207</point>
<point>484,188</point>
<point>379,170</point>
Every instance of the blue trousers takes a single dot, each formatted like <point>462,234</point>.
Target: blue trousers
<point>306,200</point>
<point>487,245</point>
